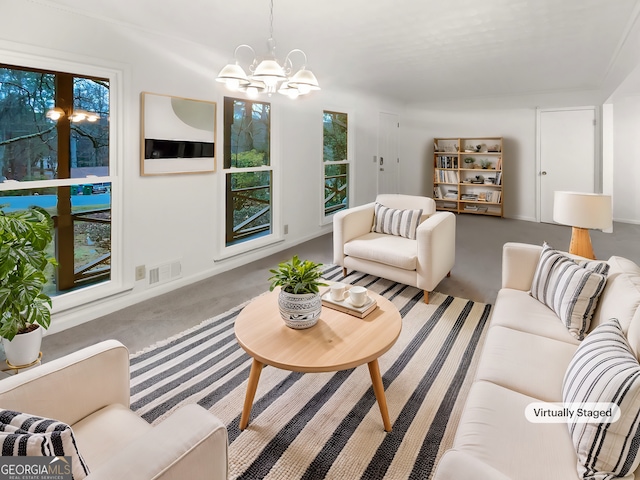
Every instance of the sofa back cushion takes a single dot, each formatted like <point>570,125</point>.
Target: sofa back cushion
<point>621,296</point>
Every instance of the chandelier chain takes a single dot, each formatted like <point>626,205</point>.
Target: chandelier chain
<point>271,21</point>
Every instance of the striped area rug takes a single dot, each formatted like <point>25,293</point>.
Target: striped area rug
<point>326,425</point>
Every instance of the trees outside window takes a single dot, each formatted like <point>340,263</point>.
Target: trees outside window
<point>54,153</point>
<point>335,162</point>
<point>248,170</point>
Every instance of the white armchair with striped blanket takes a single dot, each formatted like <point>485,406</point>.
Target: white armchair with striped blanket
<point>89,391</point>
<point>398,237</point>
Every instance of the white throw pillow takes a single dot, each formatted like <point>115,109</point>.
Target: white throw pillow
<point>604,369</point>
<point>569,289</point>
<point>392,221</point>
<point>22,434</point>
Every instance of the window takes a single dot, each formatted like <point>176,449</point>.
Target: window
<point>54,153</point>
<point>248,170</point>
<point>335,162</point>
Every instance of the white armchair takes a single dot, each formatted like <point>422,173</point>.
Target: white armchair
<point>89,390</point>
<point>421,263</point>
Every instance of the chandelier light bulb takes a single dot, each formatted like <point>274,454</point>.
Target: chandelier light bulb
<point>269,73</point>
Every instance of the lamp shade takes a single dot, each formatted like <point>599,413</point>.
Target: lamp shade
<point>583,210</point>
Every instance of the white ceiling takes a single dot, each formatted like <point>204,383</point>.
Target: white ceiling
<point>409,50</point>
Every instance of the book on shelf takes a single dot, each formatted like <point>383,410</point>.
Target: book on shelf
<point>449,205</point>
<point>499,178</point>
<point>345,306</point>
<point>451,193</point>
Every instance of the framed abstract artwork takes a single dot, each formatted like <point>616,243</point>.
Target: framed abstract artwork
<point>178,135</point>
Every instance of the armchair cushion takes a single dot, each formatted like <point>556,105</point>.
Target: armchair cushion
<point>389,250</point>
<point>28,435</point>
<point>396,222</point>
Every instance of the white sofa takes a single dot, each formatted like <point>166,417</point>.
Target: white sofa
<point>525,355</point>
<point>89,390</point>
<point>421,263</point>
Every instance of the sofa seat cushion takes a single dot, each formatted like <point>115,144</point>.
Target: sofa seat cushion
<point>494,429</point>
<point>520,311</point>
<point>389,250</point>
<point>529,364</point>
<point>107,431</point>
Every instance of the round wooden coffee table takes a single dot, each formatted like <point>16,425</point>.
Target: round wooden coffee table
<point>338,341</point>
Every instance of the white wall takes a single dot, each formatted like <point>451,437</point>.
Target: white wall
<point>626,150</point>
<point>513,118</point>
<point>175,217</point>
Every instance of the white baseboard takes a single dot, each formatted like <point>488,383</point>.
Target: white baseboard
<point>87,312</point>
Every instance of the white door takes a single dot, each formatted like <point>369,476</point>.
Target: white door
<point>388,153</point>
<point>567,152</point>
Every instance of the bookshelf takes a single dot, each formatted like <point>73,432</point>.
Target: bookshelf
<point>467,175</point>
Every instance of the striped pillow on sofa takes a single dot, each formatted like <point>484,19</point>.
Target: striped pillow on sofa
<point>569,289</point>
<point>604,369</point>
<point>392,221</point>
<point>22,434</point>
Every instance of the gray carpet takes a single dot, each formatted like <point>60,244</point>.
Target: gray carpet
<point>326,425</point>
<point>476,276</point>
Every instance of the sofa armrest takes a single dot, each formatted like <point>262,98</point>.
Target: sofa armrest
<point>456,465</point>
<point>519,262</point>
<point>349,224</point>
<point>436,238</point>
<point>72,387</point>
<point>191,443</point>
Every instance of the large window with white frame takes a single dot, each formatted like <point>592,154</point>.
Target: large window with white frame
<point>55,153</point>
<point>335,158</point>
<point>248,170</point>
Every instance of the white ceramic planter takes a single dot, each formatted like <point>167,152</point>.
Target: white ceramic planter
<point>24,349</point>
<point>300,311</point>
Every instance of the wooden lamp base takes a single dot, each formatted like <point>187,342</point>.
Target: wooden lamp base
<point>581,243</point>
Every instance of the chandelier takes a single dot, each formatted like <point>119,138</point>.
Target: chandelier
<point>269,75</point>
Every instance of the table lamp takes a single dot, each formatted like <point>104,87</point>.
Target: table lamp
<point>582,211</point>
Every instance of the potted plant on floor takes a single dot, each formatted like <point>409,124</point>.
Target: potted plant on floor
<point>25,309</point>
<point>299,298</point>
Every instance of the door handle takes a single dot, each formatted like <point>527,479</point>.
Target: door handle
<point>381,161</point>
<point>543,173</point>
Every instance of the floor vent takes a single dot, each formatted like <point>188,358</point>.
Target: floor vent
<point>164,273</point>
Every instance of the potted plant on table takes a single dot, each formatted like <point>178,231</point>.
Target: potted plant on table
<point>25,309</point>
<point>299,298</point>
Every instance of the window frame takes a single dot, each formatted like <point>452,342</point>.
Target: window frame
<point>225,251</point>
<point>65,301</point>
<point>328,219</point>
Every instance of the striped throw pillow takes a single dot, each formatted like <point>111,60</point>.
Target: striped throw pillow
<point>392,221</point>
<point>604,369</point>
<point>570,290</point>
<point>22,434</point>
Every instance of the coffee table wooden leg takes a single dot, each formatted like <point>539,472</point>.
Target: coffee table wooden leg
<point>378,389</point>
<point>252,385</point>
